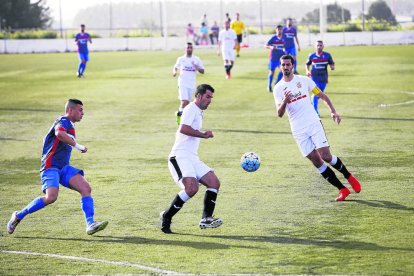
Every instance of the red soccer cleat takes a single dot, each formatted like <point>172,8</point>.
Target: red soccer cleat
<point>343,193</point>
<point>354,184</point>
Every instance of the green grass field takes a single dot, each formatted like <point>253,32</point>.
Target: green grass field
<point>281,219</point>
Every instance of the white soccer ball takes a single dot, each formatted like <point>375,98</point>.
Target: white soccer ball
<point>250,161</point>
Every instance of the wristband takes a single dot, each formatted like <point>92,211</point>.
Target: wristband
<point>79,147</point>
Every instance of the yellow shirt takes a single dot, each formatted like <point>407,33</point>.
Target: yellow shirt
<point>237,26</point>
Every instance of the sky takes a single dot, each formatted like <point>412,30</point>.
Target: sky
<point>71,7</point>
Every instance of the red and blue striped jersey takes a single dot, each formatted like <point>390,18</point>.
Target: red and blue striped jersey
<point>56,154</point>
<point>289,36</point>
<point>320,66</point>
<point>279,47</point>
<point>82,41</point>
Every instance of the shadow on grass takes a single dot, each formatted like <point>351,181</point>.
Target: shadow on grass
<point>383,204</point>
<point>379,119</point>
<point>27,110</point>
<point>11,139</point>
<point>356,245</point>
<point>251,131</point>
<point>140,240</point>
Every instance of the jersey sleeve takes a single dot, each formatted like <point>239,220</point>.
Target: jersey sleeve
<point>177,63</point>
<point>312,86</point>
<point>62,124</point>
<point>309,61</point>
<point>277,95</point>
<point>200,63</point>
<point>188,116</point>
<point>330,59</point>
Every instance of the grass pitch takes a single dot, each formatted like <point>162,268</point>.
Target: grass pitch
<point>281,219</point>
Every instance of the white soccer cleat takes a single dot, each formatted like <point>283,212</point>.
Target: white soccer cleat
<point>210,222</point>
<point>13,222</point>
<point>96,227</point>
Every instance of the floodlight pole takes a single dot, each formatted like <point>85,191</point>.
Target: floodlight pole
<point>363,16</point>
<point>321,20</point>
<point>60,18</point>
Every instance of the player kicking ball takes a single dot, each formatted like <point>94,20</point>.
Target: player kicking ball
<point>55,170</point>
<point>185,166</point>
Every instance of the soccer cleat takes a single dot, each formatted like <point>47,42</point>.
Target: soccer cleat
<point>356,186</point>
<point>269,89</point>
<point>343,193</point>
<point>210,222</point>
<point>165,223</point>
<point>228,75</point>
<point>178,114</point>
<point>13,222</point>
<point>96,227</point>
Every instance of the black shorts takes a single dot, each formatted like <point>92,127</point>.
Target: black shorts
<point>240,38</point>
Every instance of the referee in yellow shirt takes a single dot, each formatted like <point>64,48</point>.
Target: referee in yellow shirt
<point>238,27</point>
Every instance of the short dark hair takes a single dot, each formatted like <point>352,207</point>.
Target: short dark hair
<point>287,57</point>
<point>82,25</point>
<point>189,44</point>
<point>71,103</point>
<point>319,41</point>
<point>202,89</point>
<point>279,26</point>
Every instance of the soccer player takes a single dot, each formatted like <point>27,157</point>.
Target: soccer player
<point>82,39</point>
<point>185,166</point>
<point>55,169</point>
<point>319,73</point>
<point>291,94</point>
<point>238,27</point>
<point>276,44</point>
<point>188,65</point>
<point>227,42</point>
<point>290,35</point>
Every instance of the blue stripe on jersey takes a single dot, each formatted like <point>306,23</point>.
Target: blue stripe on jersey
<point>289,36</point>
<point>82,41</point>
<point>320,66</point>
<point>279,50</point>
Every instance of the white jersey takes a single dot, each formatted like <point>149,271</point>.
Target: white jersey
<point>184,144</point>
<point>188,72</point>
<point>300,110</point>
<point>227,39</point>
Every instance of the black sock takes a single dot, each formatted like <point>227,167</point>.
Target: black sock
<point>341,168</point>
<point>330,176</point>
<point>227,68</point>
<point>209,203</point>
<point>230,66</point>
<point>175,207</point>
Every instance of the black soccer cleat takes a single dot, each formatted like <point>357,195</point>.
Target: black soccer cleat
<point>165,223</point>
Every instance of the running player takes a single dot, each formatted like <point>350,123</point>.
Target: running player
<point>227,42</point>
<point>238,27</point>
<point>319,73</point>
<point>188,65</point>
<point>55,169</point>
<point>82,39</point>
<point>185,166</point>
<point>291,95</point>
<point>290,35</point>
<point>277,49</point>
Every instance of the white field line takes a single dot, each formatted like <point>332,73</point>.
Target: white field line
<point>402,103</point>
<point>121,263</point>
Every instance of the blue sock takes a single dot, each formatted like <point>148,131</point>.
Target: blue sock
<point>315,103</point>
<point>82,67</point>
<point>279,77</point>
<point>269,80</point>
<point>32,207</point>
<point>88,209</point>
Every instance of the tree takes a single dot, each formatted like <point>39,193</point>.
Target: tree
<point>17,14</point>
<point>380,11</point>
<point>334,15</point>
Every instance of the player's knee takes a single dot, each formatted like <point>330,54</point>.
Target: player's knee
<point>50,198</point>
<point>326,156</point>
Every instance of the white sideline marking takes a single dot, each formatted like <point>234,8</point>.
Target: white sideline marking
<point>403,103</point>
<point>122,263</point>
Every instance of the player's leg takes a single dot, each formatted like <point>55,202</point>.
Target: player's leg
<point>74,179</point>
<point>239,41</point>
<point>339,166</point>
<point>84,61</point>
<point>270,80</point>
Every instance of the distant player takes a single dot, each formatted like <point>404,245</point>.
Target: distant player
<point>55,170</point>
<point>319,73</point>
<point>227,42</point>
<point>238,27</point>
<point>276,44</point>
<point>82,39</point>
<point>290,35</point>
<point>188,65</point>
<point>291,96</point>
<point>186,168</point>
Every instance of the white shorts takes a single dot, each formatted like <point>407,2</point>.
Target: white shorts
<point>181,167</point>
<point>310,138</point>
<point>185,93</point>
<point>227,54</point>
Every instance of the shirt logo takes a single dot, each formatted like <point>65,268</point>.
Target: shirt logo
<point>298,85</point>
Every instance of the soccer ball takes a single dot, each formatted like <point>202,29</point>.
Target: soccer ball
<point>250,161</point>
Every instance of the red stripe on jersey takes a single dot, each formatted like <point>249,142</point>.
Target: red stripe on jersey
<point>52,152</point>
<point>71,131</point>
<point>319,60</point>
<point>298,98</point>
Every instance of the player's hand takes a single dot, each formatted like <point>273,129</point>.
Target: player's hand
<point>208,134</point>
<point>85,150</point>
<point>288,97</point>
<point>309,74</point>
<point>336,118</point>
<point>218,52</point>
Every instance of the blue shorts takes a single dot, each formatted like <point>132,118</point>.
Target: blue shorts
<point>53,176</point>
<point>291,51</point>
<point>273,65</point>
<point>320,85</point>
<point>84,56</point>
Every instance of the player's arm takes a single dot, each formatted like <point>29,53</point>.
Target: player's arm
<point>174,72</point>
<point>297,40</point>
<point>331,63</point>
<point>198,67</point>
<point>335,116</point>
<point>219,45</point>
<point>308,72</point>
<point>64,137</point>
<point>281,108</point>
<point>189,131</point>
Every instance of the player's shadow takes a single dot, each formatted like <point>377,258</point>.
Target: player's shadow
<point>355,245</point>
<point>378,119</point>
<point>27,110</point>
<point>382,204</point>
<point>251,131</point>
<point>140,240</point>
